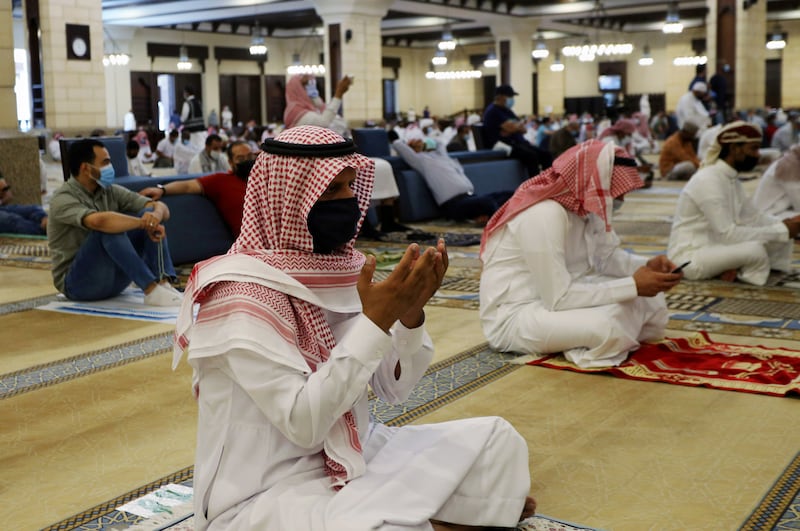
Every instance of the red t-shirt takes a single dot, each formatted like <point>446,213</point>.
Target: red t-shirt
<point>226,191</point>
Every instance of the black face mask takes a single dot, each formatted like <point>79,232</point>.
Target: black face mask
<point>242,169</point>
<point>333,223</point>
<point>747,164</point>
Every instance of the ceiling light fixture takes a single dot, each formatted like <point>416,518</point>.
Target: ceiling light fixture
<point>587,52</point>
<point>183,59</point>
<point>299,67</point>
<point>257,46</point>
<point>646,59</point>
<point>447,43</point>
<point>115,58</point>
<point>491,60</point>
<point>691,60</point>
<point>540,51</point>
<point>673,22</point>
<point>439,58</point>
<point>557,65</point>
<point>777,39</point>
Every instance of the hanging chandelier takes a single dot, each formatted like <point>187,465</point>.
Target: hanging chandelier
<point>257,46</point>
<point>183,59</point>
<point>673,22</point>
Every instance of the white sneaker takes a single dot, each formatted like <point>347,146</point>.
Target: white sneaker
<point>163,295</point>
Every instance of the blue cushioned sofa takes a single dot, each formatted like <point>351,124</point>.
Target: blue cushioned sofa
<point>489,171</point>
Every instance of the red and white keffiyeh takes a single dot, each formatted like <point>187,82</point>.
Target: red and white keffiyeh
<point>271,280</point>
<point>298,102</point>
<point>583,179</point>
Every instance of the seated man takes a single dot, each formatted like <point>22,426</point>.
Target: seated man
<point>292,334</point>
<point>135,166</point>
<point>678,161</point>
<point>500,124</point>
<point>19,219</point>
<point>103,236</point>
<point>210,160</point>
<point>565,137</point>
<point>225,190</point>
<point>554,276</point>
<point>165,150</point>
<point>451,188</point>
<point>778,191</point>
<point>460,141</point>
<point>718,228</point>
<point>788,134</point>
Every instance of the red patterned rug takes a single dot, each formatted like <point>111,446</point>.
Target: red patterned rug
<point>699,361</point>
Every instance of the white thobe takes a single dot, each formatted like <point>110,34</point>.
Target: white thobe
<point>690,108</point>
<point>540,293</point>
<point>262,424</point>
<point>718,228</point>
<point>785,137</point>
<point>778,197</point>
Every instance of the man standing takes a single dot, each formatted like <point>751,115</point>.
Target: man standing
<point>192,118</point>
<point>210,160</point>
<point>690,106</point>
<point>226,190</point>
<point>19,219</point>
<point>500,124</point>
<point>678,160</point>
<point>718,227</point>
<point>103,236</point>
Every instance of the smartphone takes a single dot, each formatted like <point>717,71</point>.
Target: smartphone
<point>679,269</point>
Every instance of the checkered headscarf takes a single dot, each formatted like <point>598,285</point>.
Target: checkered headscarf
<point>239,296</point>
<point>584,179</point>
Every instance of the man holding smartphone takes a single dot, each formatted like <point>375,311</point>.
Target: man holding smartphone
<point>718,227</point>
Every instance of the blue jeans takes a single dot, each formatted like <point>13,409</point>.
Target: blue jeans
<point>106,263</point>
<point>22,219</point>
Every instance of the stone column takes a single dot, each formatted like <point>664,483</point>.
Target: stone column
<point>75,90</point>
<point>19,154</point>
<point>359,25</point>
<point>8,100</point>
<point>519,35</point>
<point>751,53</point>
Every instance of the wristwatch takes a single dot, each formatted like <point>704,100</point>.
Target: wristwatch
<point>162,188</point>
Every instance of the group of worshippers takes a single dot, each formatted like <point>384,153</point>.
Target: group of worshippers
<point>289,330</point>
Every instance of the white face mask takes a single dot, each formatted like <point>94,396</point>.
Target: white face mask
<point>215,155</point>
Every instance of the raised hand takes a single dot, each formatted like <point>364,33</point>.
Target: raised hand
<point>404,293</point>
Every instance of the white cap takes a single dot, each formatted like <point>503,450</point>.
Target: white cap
<point>699,86</point>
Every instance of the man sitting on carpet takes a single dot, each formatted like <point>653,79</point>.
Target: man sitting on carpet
<point>451,188</point>
<point>290,335</point>
<point>716,225</point>
<point>778,191</point>
<point>19,219</point>
<point>225,190</point>
<point>103,236</point>
<point>554,277</point>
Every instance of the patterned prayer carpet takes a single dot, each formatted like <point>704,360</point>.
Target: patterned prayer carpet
<point>698,361</point>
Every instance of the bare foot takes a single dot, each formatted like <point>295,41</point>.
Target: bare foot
<point>529,509</point>
<point>728,276</point>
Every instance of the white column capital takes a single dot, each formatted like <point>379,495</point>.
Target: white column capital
<point>333,11</point>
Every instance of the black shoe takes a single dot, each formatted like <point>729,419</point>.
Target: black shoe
<point>369,232</point>
<point>414,235</point>
<point>394,226</point>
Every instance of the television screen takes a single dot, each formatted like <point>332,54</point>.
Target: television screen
<point>609,82</point>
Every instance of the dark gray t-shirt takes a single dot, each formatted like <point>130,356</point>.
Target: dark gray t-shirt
<point>69,205</point>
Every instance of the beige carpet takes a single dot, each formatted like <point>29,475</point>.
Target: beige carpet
<point>610,453</point>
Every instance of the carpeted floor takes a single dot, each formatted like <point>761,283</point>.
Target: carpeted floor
<point>93,417</point>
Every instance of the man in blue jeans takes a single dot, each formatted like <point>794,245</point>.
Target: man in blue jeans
<point>20,219</point>
<point>103,236</point>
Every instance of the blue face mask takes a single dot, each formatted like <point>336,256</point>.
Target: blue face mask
<point>311,89</point>
<point>106,176</point>
<point>618,204</point>
<point>509,102</point>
